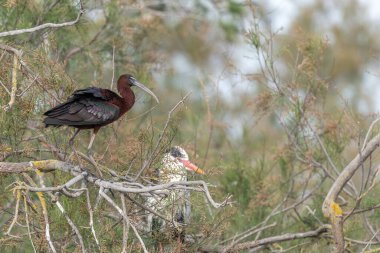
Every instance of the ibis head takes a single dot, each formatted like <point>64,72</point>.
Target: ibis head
<point>130,80</point>
<point>178,157</point>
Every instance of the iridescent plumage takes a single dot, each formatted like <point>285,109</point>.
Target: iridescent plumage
<point>93,107</point>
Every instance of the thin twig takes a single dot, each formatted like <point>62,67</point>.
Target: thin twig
<point>244,236</point>
<point>46,218</point>
<point>91,213</point>
<point>113,66</point>
<point>5,87</point>
<point>269,240</point>
<point>44,26</point>
<point>14,83</point>
<point>148,162</point>
<point>27,88</point>
<point>125,224</point>
<point>368,133</point>
<point>125,217</point>
<point>27,223</point>
<point>72,225</point>
<point>18,197</point>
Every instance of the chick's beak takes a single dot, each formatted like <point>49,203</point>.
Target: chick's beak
<point>192,167</point>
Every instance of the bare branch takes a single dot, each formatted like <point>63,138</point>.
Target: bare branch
<point>27,223</point>
<point>14,83</point>
<point>125,224</point>
<point>124,187</point>
<point>330,208</point>
<point>369,132</point>
<point>121,186</point>
<point>46,218</point>
<point>268,240</point>
<point>91,213</point>
<point>125,217</point>
<point>72,225</point>
<point>149,161</point>
<point>18,197</point>
<point>29,72</point>
<point>44,26</point>
<point>246,235</point>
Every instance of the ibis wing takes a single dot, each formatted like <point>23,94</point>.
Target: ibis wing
<point>93,92</point>
<point>85,107</point>
<point>92,111</point>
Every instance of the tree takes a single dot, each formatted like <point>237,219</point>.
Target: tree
<point>285,128</point>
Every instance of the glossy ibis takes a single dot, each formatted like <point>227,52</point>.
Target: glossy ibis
<point>93,107</point>
<point>176,205</point>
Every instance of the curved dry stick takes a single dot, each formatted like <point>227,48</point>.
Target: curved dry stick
<point>368,133</point>
<point>46,218</point>
<point>72,225</point>
<point>18,197</point>
<point>44,26</point>
<point>125,224</point>
<point>14,83</point>
<point>91,213</point>
<point>266,241</point>
<point>59,205</point>
<point>42,200</point>
<point>244,236</point>
<point>125,218</point>
<point>27,223</point>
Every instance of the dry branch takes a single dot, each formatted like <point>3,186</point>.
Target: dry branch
<point>125,218</point>
<point>267,241</point>
<point>155,149</point>
<point>14,83</point>
<point>123,187</point>
<point>44,26</point>
<point>26,70</point>
<point>81,175</point>
<point>331,209</point>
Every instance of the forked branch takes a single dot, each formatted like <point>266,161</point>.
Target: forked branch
<point>331,209</point>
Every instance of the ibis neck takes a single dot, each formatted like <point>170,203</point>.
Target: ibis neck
<point>127,95</point>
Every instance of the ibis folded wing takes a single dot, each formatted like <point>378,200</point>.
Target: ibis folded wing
<point>87,107</point>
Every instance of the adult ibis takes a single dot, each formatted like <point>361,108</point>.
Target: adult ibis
<point>176,205</point>
<point>93,107</point>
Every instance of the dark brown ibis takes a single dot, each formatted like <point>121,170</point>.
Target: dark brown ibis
<point>93,107</point>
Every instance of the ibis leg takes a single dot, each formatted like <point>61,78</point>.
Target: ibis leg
<point>71,144</point>
<point>71,141</point>
<point>89,153</point>
<point>93,135</point>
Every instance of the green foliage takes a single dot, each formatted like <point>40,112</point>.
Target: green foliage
<point>230,30</point>
<point>235,8</point>
<point>237,184</point>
